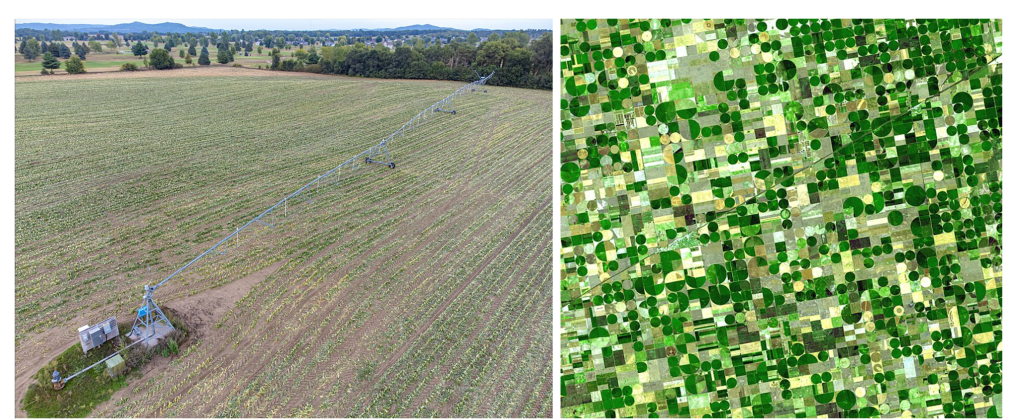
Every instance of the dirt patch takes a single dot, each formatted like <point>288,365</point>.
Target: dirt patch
<point>202,311</point>
<point>45,347</point>
<point>154,366</point>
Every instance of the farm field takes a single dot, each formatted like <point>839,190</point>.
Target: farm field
<point>419,291</point>
<point>110,60</point>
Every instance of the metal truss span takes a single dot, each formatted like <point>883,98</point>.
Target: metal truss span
<point>149,314</point>
<point>378,154</point>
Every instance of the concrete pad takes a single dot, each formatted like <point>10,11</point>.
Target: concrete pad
<point>161,331</point>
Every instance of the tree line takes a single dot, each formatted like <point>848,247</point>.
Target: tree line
<point>31,49</point>
<point>271,38</point>
<point>515,62</point>
<point>516,58</point>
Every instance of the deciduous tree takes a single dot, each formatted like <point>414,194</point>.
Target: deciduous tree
<point>32,49</point>
<point>161,59</point>
<point>74,65</point>
<point>276,59</point>
<point>541,59</point>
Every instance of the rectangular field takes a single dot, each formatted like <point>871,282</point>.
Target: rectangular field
<point>418,291</point>
<point>110,60</point>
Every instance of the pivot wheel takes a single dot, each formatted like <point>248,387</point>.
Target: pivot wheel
<point>367,160</point>
<point>391,165</point>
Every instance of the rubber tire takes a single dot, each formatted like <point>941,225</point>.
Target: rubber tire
<point>392,166</point>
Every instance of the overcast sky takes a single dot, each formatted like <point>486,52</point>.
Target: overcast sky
<point>322,24</point>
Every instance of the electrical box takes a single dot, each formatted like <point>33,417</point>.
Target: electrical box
<point>95,335</point>
<point>115,366</point>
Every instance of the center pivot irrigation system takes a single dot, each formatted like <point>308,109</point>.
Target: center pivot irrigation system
<point>151,324</point>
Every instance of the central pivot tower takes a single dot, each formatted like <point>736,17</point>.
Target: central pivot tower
<point>150,322</point>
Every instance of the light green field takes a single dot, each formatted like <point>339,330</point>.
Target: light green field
<point>89,64</point>
<point>109,60</point>
<point>419,291</point>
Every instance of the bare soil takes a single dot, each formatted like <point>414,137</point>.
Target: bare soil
<point>200,311</point>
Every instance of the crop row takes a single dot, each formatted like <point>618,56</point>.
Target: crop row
<point>129,189</point>
<point>358,272</point>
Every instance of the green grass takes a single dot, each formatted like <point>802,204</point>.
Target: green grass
<point>81,394</point>
<point>89,64</point>
<point>98,61</point>
<point>78,398</point>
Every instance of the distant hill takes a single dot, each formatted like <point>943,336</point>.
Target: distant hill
<point>419,28</point>
<point>163,28</point>
<point>133,27</point>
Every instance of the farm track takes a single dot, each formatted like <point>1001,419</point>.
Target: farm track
<point>388,271</point>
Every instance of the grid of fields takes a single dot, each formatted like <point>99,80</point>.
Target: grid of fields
<point>420,291</point>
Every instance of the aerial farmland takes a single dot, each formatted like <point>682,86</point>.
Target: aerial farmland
<point>422,290</point>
